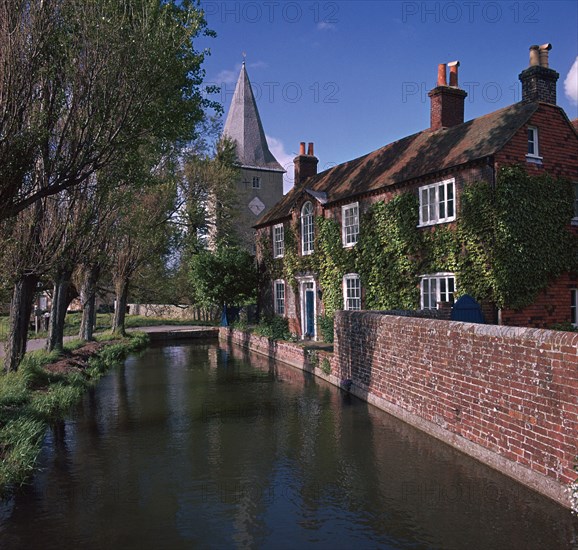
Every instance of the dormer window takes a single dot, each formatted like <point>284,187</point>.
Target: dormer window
<point>533,149</point>
<point>307,229</point>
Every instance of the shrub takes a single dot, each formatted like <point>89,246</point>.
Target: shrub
<point>325,324</point>
<point>275,328</point>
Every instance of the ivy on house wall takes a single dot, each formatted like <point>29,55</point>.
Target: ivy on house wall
<point>333,262</point>
<point>531,242</point>
<point>391,253</point>
<point>508,242</point>
<point>514,238</point>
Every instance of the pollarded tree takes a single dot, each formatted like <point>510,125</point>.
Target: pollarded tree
<point>83,82</point>
<point>29,245</point>
<point>140,232</point>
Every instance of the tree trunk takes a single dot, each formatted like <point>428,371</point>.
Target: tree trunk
<point>20,311</point>
<point>88,302</point>
<point>60,302</point>
<point>121,291</point>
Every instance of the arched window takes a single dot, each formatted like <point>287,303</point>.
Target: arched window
<point>307,229</point>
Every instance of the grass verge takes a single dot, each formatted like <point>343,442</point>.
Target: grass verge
<point>103,323</point>
<point>36,396</point>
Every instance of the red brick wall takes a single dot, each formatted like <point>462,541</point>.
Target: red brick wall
<point>552,306</point>
<point>557,144</point>
<point>511,391</point>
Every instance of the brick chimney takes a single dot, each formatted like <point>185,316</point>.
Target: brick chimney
<point>447,102</point>
<point>305,164</point>
<point>538,80</point>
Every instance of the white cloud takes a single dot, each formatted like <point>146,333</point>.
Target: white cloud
<point>228,77</point>
<point>571,83</point>
<point>284,159</point>
<point>256,65</point>
<point>325,26</point>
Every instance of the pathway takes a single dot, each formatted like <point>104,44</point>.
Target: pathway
<point>39,343</point>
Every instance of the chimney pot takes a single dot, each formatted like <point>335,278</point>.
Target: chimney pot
<point>454,73</point>
<point>442,75</point>
<point>310,149</point>
<point>302,148</point>
<point>534,55</point>
<point>544,49</point>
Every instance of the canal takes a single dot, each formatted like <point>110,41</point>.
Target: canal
<point>206,446</point>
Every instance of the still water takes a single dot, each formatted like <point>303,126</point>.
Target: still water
<point>206,446</point>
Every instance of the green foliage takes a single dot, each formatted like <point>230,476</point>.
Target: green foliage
<point>333,262</point>
<point>390,253</point>
<point>475,237</point>
<point>532,243</point>
<point>293,262</point>
<point>312,357</point>
<point>326,366</point>
<point>33,397</point>
<point>241,324</point>
<point>325,324</point>
<point>512,240</point>
<point>567,327</point>
<point>21,439</point>
<point>226,276</point>
<point>508,243</point>
<point>275,328</point>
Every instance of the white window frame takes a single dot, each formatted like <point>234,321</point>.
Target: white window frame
<point>278,243</point>
<point>307,230</point>
<point>350,224</point>
<point>351,292</point>
<point>435,204</point>
<point>279,297</point>
<point>256,182</point>
<point>534,140</point>
<point>574,307</point>
<point>441,289</point>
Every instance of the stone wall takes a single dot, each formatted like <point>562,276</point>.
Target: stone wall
<point>505,395</point>
<point>170,311</point>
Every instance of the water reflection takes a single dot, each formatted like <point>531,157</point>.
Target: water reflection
<point>205,446</point>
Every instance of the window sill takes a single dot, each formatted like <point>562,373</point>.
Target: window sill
<point>350,245</point>
<point>441,222</point>
<point>574,222</point>
<point>278,256</point>
<point>534,159</point>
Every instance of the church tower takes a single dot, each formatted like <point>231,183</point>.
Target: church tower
<point>260,185</point>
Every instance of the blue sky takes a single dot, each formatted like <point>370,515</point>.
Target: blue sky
<point>352,76</point>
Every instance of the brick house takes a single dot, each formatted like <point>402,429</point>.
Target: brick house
<point>435,165</point>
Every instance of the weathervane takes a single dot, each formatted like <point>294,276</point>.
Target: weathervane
<point>244,57</point>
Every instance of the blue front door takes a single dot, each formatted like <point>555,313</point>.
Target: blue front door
<point>310,313</point>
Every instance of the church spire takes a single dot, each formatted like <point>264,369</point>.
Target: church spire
<point>243,125</point>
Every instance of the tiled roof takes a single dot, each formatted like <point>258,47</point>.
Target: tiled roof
<point>243,125</point>
<point>414,156</point>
